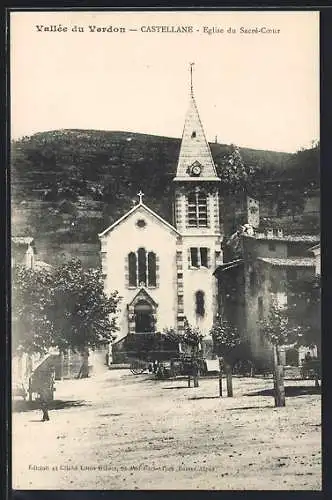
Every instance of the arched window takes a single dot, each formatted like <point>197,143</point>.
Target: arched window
<point>132,264</point>
<point>141,254</point>
<point>151,269</point>
<point>142,268</point>
<point>197,209</point>
<point>200,303</point>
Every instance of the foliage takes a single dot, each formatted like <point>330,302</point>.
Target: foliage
<point>277,329</point>
<point>304,308</point>
<point>235,173</point>
<point>66,308</point>
<point>105,170</point>
<point>192,335</point>
<point>306,160</point>
<point>225,337</point>
<point>171,335</point>
<point>82,315</point>
<point>32,329</point>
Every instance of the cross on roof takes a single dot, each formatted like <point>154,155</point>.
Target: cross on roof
<point>140,195</point>
<point>191,77</point>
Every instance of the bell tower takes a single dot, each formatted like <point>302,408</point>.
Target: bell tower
<point>197,218</point>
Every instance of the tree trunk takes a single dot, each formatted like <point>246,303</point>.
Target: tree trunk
<point>220,377</point>
<point>196,378</point>
<point>278,379</point>
<point>229,381</point>
<point>316,380</point>
<point>61,365</point>
<point>196,368</point>
<point>68,363</point>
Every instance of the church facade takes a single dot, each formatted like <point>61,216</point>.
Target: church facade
<point>164,272</point>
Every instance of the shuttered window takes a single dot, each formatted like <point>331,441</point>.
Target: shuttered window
<point>199,257</point>
<point>197,209</point>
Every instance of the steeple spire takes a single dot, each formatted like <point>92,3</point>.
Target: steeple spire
<point>195,159</point>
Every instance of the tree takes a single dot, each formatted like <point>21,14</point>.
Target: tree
<point>32,329</point>
<point>65,308</point>
<point>225,338</point>
<point>278,331</point>
<point>235,173</point>
<point>82,315</point>
<point>190,341</point>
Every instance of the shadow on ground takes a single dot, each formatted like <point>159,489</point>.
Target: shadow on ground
<point>22,406</point>
<point>203,397</point>
<point>177,387</point>
<point>249,407</point>
<point>290,391</point>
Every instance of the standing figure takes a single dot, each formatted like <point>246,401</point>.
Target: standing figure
<point>46,391</point>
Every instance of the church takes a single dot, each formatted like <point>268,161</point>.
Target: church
<point>164,272</point>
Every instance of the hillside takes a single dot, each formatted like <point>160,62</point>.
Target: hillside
<point>68,185</point>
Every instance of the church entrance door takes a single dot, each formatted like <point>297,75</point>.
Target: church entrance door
<point>143,317</point>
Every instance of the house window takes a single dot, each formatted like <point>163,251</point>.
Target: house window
<point>197,209</point>
<point>199,257</point>
<point>253,281</point>
<point>260,308</point>
<point>194,257</point>
<point>294,250</point>
<point>274,284</point>
<point>200,303</point>
<point>142,268</point>
<point>204,256</point>
<point>291,274</point>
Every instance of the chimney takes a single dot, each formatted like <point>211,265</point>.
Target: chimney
<point>253,212</point>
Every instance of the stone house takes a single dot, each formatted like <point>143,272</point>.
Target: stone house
<point>271,262</point>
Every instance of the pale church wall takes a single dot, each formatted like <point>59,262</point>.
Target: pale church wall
<point>128,237</point>
<point>201,279</point>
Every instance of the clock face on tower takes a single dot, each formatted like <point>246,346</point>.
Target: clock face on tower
<point>196,169</point>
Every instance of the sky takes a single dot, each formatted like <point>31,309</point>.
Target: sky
<point>258,90</point>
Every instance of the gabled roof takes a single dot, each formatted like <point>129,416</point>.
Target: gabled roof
<point>303,238</point>
<point>194,148</point>
<point>133,210</point>
<point>143,294</point>
<point>315,249</point>
<point>288,261</point>
<point>227,266</point>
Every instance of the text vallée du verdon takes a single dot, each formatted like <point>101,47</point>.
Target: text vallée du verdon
<point>167,29</point>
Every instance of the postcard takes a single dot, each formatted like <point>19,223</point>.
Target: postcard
<point>165,250</point>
